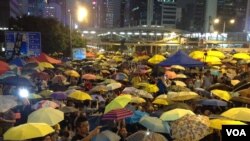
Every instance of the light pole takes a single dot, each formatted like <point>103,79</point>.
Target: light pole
<point>231,21</point>
<point>70,36</point>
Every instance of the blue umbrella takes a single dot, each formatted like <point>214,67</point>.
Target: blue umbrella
<point>155,124</point>
<point>213,102</point>
<point>137,115</point>
<point>17,81</point>
<point>17,61</point>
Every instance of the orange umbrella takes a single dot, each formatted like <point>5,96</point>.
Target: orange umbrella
<point>45,58</point>
<point>89,76</point>
<point>170,74</point>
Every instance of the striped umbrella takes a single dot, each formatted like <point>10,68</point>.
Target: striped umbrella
<point>117,114</point>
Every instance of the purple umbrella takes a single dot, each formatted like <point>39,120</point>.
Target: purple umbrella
<point>98,97</point>
<point>59,95</point>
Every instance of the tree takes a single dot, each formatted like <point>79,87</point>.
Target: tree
<point>55,37</point>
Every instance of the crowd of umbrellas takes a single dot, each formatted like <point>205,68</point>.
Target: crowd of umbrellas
<point>123,83</point>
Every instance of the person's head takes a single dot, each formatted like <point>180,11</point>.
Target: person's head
<point>82,125</point>
<point>123,132</point>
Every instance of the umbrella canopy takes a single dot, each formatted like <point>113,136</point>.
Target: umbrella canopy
<point>89,76</point>
<point>177,105</point>
<point>45,103</point>
<point>216,54</point>
<point>45,65</point>
<point>106,136</point>
<point>28,131</point>
<point>118,103</point>
<point>240,113</point>
<point>99,88</point>
<point>17,81</point>
<point>137,100</point>
<point>121,76</point>
<point>98,97</point>
<point>68,109</point>
<point>156,59</point>
<point>79,95</point>
<point>117,114</point>
<point>155,124</point>
<point>18,61</point>
<point>59,95</point>
<point>45,58</point>
<point>72,73</point>
<point>220,87</point>
<point>137,115</point>
<point>217,123</point>
<point>151,88</point>
<point>7,102</point>
<point>175,114</point>
<point>221,94</point>
<point>243,56</point>
<point>162,96</point>
<point>180,83</point>
<point>181,96</point>
<point>146,136</point>
<point>46,115</point>
<point>170,74</point>
<point>212,102</point>
<point>190,128</point>
<point>160,101</point>
<point>113,86</point>
<point>181,76</point>
<point>34,96</point>
<point>3,67</point>
<point>45,93</point>
<point>178,67</point>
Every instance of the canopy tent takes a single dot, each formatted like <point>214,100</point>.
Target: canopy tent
<point>45,58</point>
<point>181,58</point>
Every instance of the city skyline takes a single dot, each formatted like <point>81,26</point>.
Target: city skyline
<point>191,15</point>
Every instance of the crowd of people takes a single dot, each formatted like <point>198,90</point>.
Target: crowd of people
<point>85,123</point>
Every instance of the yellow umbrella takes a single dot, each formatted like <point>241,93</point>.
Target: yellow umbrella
<point>156,59</point>
<point>216,54</point>
<point>222,94</point>
<point>195,53</point>
<point>211,59</point>
<point>118,103</point>
<point>235,82</point>
<point>47,115</point>
<point>99,88</point>
<point>137,100</point>
<point>181,76</point>
<point>217,123</point>
<point>243,56</point>
<point>45,93</point>
<point>72,73</point>
<point>79,95</point>
<point>160,101</point>
<point>113,86</point>
<point>181,96</point>
<point>162,96</point>
<point>28,131</point>
<point>151,88</point>
<point>178,67</point>
<point>34,96</point>
<point>180,83</point>
<point>45,65</point>
<point>240,113</point>
<point>175,114</point>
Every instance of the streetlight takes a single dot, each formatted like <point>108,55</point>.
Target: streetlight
<point>82,14</point>
<point>231,21</point>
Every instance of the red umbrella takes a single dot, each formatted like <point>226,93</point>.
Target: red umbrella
<point>89,76</point>
<point>117,114</point>
<point>45,58</point>
<point>3,67</point>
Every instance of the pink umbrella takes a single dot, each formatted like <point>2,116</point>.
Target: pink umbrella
<point>45,103</point>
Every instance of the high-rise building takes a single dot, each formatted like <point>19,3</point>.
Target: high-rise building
<point>169,11</point>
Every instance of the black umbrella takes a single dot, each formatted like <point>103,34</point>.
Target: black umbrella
<point>241,99</point>
<point>220,87</point>
<point>16,81</point>
<point>241,87</point>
